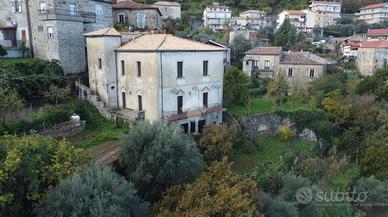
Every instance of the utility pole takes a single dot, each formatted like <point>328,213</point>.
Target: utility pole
<point>29,26</point>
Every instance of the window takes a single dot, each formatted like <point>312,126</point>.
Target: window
<point>99,63</point>
<point>290,72</point>
<point>180,104</point>
<point>180,70</point>
<point>50,32</point>
<point>185,128</point>
<point>138,64</point>
<point>205,99</point>
<point>72,9</point>
<point>124,100</point>
<point>311,73</point>
<point>42,7</point>
<point>121,18</point>
<point>201,125</point>
<point>266,64</point>
<point>40,28</point>
<point>140,21</point>
<point>99,10</point>
<point>255,64</point>
<point>122,67</point>
<point>205,68</point>
<point>140,102</point>
<point>10,35</point>
<point>17,7</point>
<point>192,126</point>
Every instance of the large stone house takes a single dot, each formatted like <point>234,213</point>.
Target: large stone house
<point>14,26</point>
<point>217,17</point>
<point>301,67</point>
<point>168,9</point>
<point>374,13</point>
<point>158,77</point>
<point>136,16</point>
<point>372,55</point>
<point>57,28</point>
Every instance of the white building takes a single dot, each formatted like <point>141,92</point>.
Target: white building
<point>251,20</point>
<point>374,13</point>
<point>326,12</point>
<point>158,77</point>
<point>297,18</point>
<point>169,9</point>
<point>217,17</point>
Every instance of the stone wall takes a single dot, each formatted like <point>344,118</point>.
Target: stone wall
<point>262,125</point>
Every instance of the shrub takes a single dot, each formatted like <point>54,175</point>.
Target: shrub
<point>95,192</point>
<point>285,134</point>
<point>3,52</point>
<point>157,156</point>
<point>377,191</point>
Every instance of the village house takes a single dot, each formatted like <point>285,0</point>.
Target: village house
<point>372,55</point>
<point>298,18</point>
<point>158,77</point>
<point>374,13</point>
<point>14,27</point>
<point>298,67</point>
<point>251,20</point>
<point>377,34</point>
<point>217,17</point>
<point>57,28</point>
<point>349,46</point>
<point>135,16</point>
<point>326,12</point>
<point>170,10</point>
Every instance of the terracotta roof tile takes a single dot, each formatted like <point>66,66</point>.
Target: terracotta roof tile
<point>373,6</point>
<point>166,42</point>
<point>377,32</point>
<point>295,12</point>
<point>104,32</point>
<point>302,58</point>
<point>132,5</point>
<point>375,44</point>
<point>265,51</point>
<point>167,3</point>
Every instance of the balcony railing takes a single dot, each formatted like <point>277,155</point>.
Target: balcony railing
<point>129,114</point>
<point>192,112</point>
<point>69,15</point>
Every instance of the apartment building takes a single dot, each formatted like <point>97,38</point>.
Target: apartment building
<point>349,46</point>
<point>158,77</point>
<point>301,67</point>
<point>298,18</point>
<point>135,16</point>
<point>326,12</point>
<point>14,26</point>
<point>57,28</point>
<point>372,55</point>
<point>251,20</point>
<point>374,13</point>
<point>168,9</point>
<point>217,17</point>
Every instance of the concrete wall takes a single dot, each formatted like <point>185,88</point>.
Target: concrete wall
<point>152,20</point>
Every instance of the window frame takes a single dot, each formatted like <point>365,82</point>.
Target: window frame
<point>180,104</point>
<point>205,99</point>
<point>99,63</point>
<point>122,67</point>
<point>292,72</point>
<point>138,69</point>
<point>119,18</point>
<point>140,102</point>
<point>205,68</point>
<point>50,34</point>
<point>313,73</point>
<point>124,100</point>
<point>179,69</point>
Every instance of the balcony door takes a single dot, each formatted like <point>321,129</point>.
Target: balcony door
<point>140,21</point>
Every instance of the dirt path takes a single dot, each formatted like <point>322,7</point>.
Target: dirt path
<point>105,153</point>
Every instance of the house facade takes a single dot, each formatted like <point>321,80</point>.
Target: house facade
<point>326,12</point>
<point>135,16</point>
<point>372,55</point>
<point>349,46</point>
<point>158,77</point>
<point>374,13</point>
<point>298,18</point>
<point>14,26</point>
<point>57,28</point>
<point>251,20</point>
<point>217,17</point>
<point>269,62</point>
<point>170,10</point>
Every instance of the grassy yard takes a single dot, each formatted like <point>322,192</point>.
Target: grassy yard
<point>270,149</point>
<point>6,61</point>
<point>260,106</point>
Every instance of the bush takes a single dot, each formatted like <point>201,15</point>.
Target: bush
<point>95,192</point>
<point>3,52</point>
<point>377,191</point>
<point>285,134</point>
<point>157,156</point>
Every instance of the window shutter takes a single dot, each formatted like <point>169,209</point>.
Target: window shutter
<point>13,7</point>
<point>20,6</point>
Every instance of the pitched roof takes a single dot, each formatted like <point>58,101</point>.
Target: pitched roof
<point>167,3</point>
<point>377,32</point>
<point>265,51</point>
<point>372,6</point>
<point>375,44</point>
<point>103,32</point>
<point>302,58</point>
<point>295,12</point>
<point>166,42</point>
<point>132,5</point>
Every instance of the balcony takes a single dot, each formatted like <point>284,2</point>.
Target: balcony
<point>266,72</point>
<point>68,15</point>
<point>129,114</point>
<point>192,112</point>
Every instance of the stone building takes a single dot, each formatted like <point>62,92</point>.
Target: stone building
<point>372,55</point>
<point>14,26</point>
<point>158,77</point>
<point>135,16</point>
<point>326,12</point>
<point>170,10</point>
<point>57,28</point>
<point>301,67</point>
<point>349,46</point>
<point>374,13</point>
<point>217,17</point>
